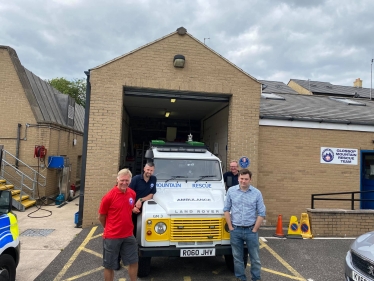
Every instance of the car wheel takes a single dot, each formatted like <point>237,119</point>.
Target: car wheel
<point>229,259</point>
<point>7,268</point>
<point>144,266</point>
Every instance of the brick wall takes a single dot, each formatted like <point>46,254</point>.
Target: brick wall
<point>290,169</point>
<point>152,67</point>
<point>298,88</point>
<point>340,223</point>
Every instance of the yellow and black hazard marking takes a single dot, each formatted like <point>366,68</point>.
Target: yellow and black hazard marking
<point>289,273</point>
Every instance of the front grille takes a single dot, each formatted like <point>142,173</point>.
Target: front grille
<point>195,230</point>
<point>362,264</point>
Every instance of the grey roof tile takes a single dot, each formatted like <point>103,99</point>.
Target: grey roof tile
<point>276,87</point>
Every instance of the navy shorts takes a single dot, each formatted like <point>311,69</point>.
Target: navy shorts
<point>127,247</point>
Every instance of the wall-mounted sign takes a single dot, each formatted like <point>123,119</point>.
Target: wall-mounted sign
<point>332,155</point>
<point>244,162</point>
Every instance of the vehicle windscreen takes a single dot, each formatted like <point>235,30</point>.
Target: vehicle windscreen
<point>177,169</point>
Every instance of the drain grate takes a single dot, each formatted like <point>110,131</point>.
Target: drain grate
<point>37,232</point>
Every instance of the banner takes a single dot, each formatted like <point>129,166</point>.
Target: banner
<point>332,155</point>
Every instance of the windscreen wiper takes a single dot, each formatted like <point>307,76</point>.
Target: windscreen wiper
<point>175,177</point>
<point>203,177</point>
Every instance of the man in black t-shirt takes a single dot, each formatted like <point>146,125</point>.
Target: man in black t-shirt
<point>231,178</point>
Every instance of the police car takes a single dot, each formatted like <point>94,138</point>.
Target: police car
<point>9,238</point>
<point>185,217</point>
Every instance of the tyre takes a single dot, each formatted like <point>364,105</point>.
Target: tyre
<point>229,259</point>
<point>7,268</point>
<point>144,266</point>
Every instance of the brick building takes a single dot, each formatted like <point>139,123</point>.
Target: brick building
<point>36,114</point>
<point>279,130</point>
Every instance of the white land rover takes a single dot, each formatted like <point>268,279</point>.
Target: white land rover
<point>185,217</point>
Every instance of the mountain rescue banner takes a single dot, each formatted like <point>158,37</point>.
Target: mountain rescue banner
<point>332,155</point>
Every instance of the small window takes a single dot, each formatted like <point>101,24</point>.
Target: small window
<point>271,96</point>
<point>348,101</point>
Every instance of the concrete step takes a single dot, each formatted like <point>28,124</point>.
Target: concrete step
<point>6,186</point>
<point>28,203</point>
<point>2,181</point>
<point>17,197</point>
<point>15,192</point>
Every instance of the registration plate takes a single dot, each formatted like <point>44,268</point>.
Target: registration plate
<point>198,252</point>
<point>358,277</point>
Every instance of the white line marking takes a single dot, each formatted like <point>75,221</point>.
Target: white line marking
<point>263,239</point>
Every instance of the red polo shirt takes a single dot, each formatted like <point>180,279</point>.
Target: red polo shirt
<point>117,206</point>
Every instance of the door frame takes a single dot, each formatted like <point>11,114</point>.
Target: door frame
<point>362,165</point>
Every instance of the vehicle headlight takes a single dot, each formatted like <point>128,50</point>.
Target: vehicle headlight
<point>160,228</point>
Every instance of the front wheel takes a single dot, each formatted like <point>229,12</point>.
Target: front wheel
<point>229,259</point>
<point>7,268</point>
<point>144,266</point>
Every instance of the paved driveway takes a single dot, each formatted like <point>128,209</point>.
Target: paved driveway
<point>282,260</point>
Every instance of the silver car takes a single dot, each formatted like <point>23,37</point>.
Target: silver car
<point>359,262</point>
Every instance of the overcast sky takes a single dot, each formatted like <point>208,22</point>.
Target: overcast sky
<point>330,41</point>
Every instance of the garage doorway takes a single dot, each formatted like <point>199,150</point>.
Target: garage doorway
<point>171,116</point>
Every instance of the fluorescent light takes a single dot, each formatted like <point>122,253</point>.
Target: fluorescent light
<point>167,114</point>
<point>173,100</point>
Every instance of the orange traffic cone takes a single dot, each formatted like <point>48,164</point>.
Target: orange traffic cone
<point>279,231</point>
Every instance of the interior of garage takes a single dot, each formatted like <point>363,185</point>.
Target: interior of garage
<point>150,114</point>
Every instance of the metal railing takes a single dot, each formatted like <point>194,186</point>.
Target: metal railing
<point>27,179</point>
<point>351,199</point>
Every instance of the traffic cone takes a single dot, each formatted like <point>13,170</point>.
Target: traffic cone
<point>279,231</point>
<point>305,226</point>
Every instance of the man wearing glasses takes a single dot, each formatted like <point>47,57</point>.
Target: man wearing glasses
<point>231,177</point>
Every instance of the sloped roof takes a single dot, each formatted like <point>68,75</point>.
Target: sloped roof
<point>326,88</point>
<point>169,35</point>
<point>48,104</point>
<point>317,109</point>
<point>276,87</point>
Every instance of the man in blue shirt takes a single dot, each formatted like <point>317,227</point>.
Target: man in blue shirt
<point>247,208</point>
<point>231,178</point>
<point>144,186</point>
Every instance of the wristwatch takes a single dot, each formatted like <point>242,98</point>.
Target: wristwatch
<point>141,199</point>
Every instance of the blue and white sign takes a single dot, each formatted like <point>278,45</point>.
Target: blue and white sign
<point>345,156</point>
<point>244,162</point>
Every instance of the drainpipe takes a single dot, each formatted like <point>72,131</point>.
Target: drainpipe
<point>18,143</point>
<point>84,152</point>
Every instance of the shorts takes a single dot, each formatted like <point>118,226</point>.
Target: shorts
<point>127,247</point>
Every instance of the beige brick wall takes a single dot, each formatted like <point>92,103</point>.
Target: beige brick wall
<point>340,223</point>
<point>299,89</point>
<point>152,67</point>
<point>290,169</point>
<point>16,110</point>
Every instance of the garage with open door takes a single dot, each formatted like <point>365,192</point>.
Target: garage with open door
<point>167,89</point>
<point>171,116</point>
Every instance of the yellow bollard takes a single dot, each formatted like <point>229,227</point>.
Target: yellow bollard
<point>294,229</point>
<point>305,226</point>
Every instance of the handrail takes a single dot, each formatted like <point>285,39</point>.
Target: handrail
<point>22,174</point>
<point>352,199</point>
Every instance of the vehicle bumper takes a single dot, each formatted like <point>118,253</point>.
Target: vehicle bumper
<point>18,251</point>
<point>175,252</point>
<point>350,270</point>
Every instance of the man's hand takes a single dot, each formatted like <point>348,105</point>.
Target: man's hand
<point>138,204</point>
<point>136,210</point>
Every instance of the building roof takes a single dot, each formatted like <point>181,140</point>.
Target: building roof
<point>326,88</point>
<point>317,109</point>
<point>276,87</point>
<point>48,104</point>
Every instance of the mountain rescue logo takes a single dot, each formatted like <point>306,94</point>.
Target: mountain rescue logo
<point>327,155</point>
<point>131,201</point>
<point>152,185</point>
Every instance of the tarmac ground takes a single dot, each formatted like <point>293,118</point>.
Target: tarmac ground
<point>282,260</point>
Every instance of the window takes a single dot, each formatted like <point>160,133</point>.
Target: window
<point>271,96</point>
<point>348,101</point>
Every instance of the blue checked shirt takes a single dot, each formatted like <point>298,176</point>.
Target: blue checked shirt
<point>245,206</point>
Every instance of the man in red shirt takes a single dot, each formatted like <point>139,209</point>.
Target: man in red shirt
<point>115,215</point>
